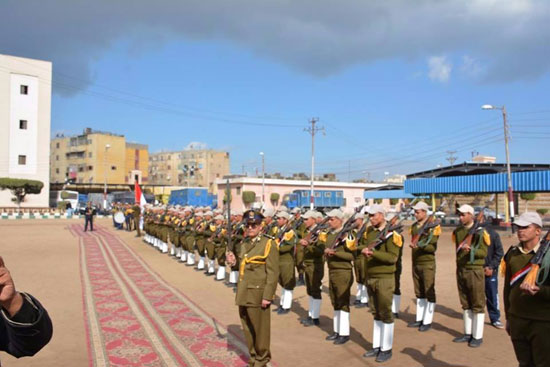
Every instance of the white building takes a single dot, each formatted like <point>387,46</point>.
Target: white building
<point>25,104</point>
<point>353,193</point>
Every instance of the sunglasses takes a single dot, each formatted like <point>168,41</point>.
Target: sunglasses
<point>254,225</point>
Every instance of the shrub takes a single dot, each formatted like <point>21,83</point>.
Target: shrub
<point>274,197</point>
<point>20,187</point>
<point>542,211</point>
<point>248,197</point>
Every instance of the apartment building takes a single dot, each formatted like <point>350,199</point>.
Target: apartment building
<point>96,157</point>
<point>25,107</point>
<point>190,167</point>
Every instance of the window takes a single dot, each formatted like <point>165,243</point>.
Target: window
<point>339,194</point>
<point>90,168</point>
<point>23,124</point>
<point>56,157</point>
<point>57,145</point>
<point>89,154</point>
<point>22,160</point>
<point>169,167</point>
<point>80,169</point>
<point>113,168</point>
<point>238,190</point>
<point>305,194</point>
<point>327,194</point>
<point>57,170</point>
<point>317,194</point>
<point>24,89</point>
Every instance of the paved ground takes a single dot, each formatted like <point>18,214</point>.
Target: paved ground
<point>43,257</point>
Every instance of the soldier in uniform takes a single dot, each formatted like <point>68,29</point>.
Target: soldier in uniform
<point>238,234</point>
<point>220,246</point>
<point>212,230</point>
<point>360,267</point>
<point>258,274</point>
<point>286,242</point>
<point>340,275</point>
<point>299,249</point>
<point>194,219</point>
<point>527,295</point>
<point>471,245</point>
<point>423,245</point>
<point>380,245</point>
<point>314,268</point>
<point>136,211</point>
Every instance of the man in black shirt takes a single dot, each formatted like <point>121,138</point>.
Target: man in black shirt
<point>25,326</point>
<point>492,262</point>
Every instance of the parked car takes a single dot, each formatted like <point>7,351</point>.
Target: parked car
<point>489,214</point>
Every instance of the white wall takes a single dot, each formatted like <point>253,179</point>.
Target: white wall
<point>35,107</point>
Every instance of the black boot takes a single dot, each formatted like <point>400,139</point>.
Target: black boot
<point>311,322</point>
<point>462,339</point>
<point>300,280</point>
<point>332,337</point>
<point>371,353</point>
<point>342,339</point>
<point>383,356</point>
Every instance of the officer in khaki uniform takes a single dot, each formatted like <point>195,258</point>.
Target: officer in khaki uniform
<point>299,249</point>
<point>380,268</point>
<point>238,234</point>
<point>258,274</point>
<point>360,269</point>
<point>136,211</point>
<point>470,275</point>
<point>340,275</point>
<point>423,245</point>
<point>314,267</point>
<point>286,240</point>
<point>526,297</point>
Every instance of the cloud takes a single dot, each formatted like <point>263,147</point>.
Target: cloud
<point>314,37</point>
<point>439,69</point>
<point>471,67</point>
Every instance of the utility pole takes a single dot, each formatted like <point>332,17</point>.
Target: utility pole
<point>451,158</point>
<point>312,130</point>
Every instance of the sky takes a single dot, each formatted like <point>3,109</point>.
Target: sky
<point>395,84</point>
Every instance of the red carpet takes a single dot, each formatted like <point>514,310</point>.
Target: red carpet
<point>134,318</point>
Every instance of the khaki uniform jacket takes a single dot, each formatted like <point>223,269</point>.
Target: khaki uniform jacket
<point>258,273</point>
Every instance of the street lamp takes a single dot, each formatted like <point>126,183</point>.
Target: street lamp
<point>510,212</point>
<point>107,146</point>
<point>263,178</point>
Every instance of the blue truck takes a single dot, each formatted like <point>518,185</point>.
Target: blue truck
<point>193,196</point>
<point>323,199</point>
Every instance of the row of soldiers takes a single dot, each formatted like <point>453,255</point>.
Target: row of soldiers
<point>366,245</point>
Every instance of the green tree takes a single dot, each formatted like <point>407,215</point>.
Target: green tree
<point>274,197</point>
<point>248,197</point>
<point>527,196</point>
<point>20,188</point>
<point>542,211</point>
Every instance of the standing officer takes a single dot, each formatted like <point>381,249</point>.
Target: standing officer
<point>89,217</point>
<point>471,243</point>
<point>527,302</point>
<point>314,268</point>
<point>286,242</point>
<point>360,268</point>
<point>492,262</point>
<point>136,211</point>
<point>380,244</point>
<point>258,273</point>
<point>299,249</point>
<point>423,245</point>
<point>340,276</point>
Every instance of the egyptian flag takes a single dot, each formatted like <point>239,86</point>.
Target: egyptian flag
<point>140,198</point>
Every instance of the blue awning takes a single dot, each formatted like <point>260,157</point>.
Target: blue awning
<point>387,194</point>
<point>533,181</point>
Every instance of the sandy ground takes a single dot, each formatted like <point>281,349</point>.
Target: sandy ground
<point>43,258</point>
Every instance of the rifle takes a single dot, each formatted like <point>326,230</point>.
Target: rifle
<point>540,264</point>
<point>430,223</point>
<point>314,234</point>
<point>478,222</point>
<point>393,226</point>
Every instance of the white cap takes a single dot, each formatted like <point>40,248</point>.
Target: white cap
<point>528,218</point>
<point>309,214</point>
<point>295,210</point>
<point>360,215</point>
<point>208,213</point>
<point>268,212</point>
<point>376,208</point>
<point>421,206</point>
<point>390,216</point>
<point>199,214</point>
<point>281,214</point>
<point>336,213</point>
<point>465,208</point>
<point>318,214</point>
<point>237,212</point>
<point>187,209</point>
<point>283,208</point>
<point>218,217</point>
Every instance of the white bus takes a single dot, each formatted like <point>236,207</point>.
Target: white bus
<point>55,197</point>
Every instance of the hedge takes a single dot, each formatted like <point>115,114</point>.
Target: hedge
<point>249,197</point>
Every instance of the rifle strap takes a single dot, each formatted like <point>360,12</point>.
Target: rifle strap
<point>544,270</point>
